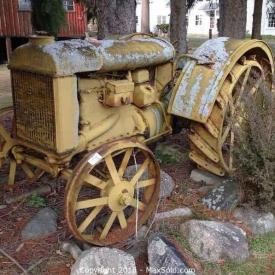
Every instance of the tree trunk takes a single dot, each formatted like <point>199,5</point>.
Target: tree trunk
<point>145,16</point>
<point>233,15</point>
<point>257,19</point>
<point>178,27</point>
<point>115,17</point>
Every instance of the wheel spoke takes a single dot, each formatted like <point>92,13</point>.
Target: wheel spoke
<point>237,101</point>
<point>138,204</point>
<point>122,220</point>
<point>225,134</point>
<point>145,183</point>
<point>140,172</point>
<point>89,218</point>
<point>255,88</point>
<point>91,203</point>
<point>125,162</point>
<point>112,169</point>
<point>108,225</point>
<point>94,181</point>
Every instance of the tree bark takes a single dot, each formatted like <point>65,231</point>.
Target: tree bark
<point>233,15</point>
<point>145,16</point>
<point>257,19</point>
<point>115,17</point>
<point>178,27</point>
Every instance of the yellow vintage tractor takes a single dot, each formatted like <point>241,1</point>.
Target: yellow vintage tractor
<point>86,111</point>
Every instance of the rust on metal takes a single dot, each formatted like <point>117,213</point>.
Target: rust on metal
<point>198,87</point>
<point>103,101</point>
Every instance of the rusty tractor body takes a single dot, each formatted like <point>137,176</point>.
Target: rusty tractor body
<point>85,111</point>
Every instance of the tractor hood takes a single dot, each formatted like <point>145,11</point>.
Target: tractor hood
<point>45,56</point>
<point>205,71</point>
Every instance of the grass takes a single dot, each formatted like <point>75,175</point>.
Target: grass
<point>261,261</point>
<point>5,101</point>
<point>36,201</point>
<point>195,41</point>
<point>3,67</point>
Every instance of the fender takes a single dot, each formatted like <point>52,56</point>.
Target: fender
<point>202,77</point>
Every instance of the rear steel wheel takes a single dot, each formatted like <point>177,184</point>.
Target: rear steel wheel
<point>112,192</point>
<point>212,143</point>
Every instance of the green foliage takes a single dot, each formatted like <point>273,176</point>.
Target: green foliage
<point>259,263</point>
<point>36,201</point>
<point>263,244</point>
<point>48,16</point>
<point>170,153</point>
<point>255,148</point>
<point>163,27</point>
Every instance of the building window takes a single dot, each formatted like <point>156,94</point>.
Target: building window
<point>24,5</point>
<point>161,19</point>
<point>68,5</point>
<point>271,20</point>
<point>198,20</point>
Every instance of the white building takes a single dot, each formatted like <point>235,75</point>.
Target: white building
<point>268,18</point>
<point>159,13</point>
<point>204,15</point>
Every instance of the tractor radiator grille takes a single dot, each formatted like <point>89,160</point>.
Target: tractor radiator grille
<point>34,108</point>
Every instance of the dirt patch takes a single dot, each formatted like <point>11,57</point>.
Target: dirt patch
<point>5,83</point>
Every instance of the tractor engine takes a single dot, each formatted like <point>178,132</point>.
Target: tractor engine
<point>76,95</point>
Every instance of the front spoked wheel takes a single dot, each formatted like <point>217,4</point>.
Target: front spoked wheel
<point>113,191</point>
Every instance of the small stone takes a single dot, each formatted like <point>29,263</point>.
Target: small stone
<point>104,260</point>
<point>258,222</point>
<point>72,248</point>
<point>162,255</point>
<point>224,197</point>
<point>43,223</point>
<point>142,232</point>
<point>167,185</point>
<point>176,213</point>
<point>3,206</point>
<point>214,241</point>
<point>205,177</point>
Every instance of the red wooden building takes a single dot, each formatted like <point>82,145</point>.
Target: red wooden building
<point>15,24</point>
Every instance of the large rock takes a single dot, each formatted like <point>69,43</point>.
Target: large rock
<point>169,153</point>
<point>205,177</point>
<point>167,183</point>
<point>175,213</point>
<point>213,241</point>
<point>164,258</point>
<point>104,260</point>
<point>43,223</point>
<point>224,197</point>
<point>258,222</point>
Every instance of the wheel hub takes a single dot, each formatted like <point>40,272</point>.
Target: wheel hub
<point>120,196</point>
